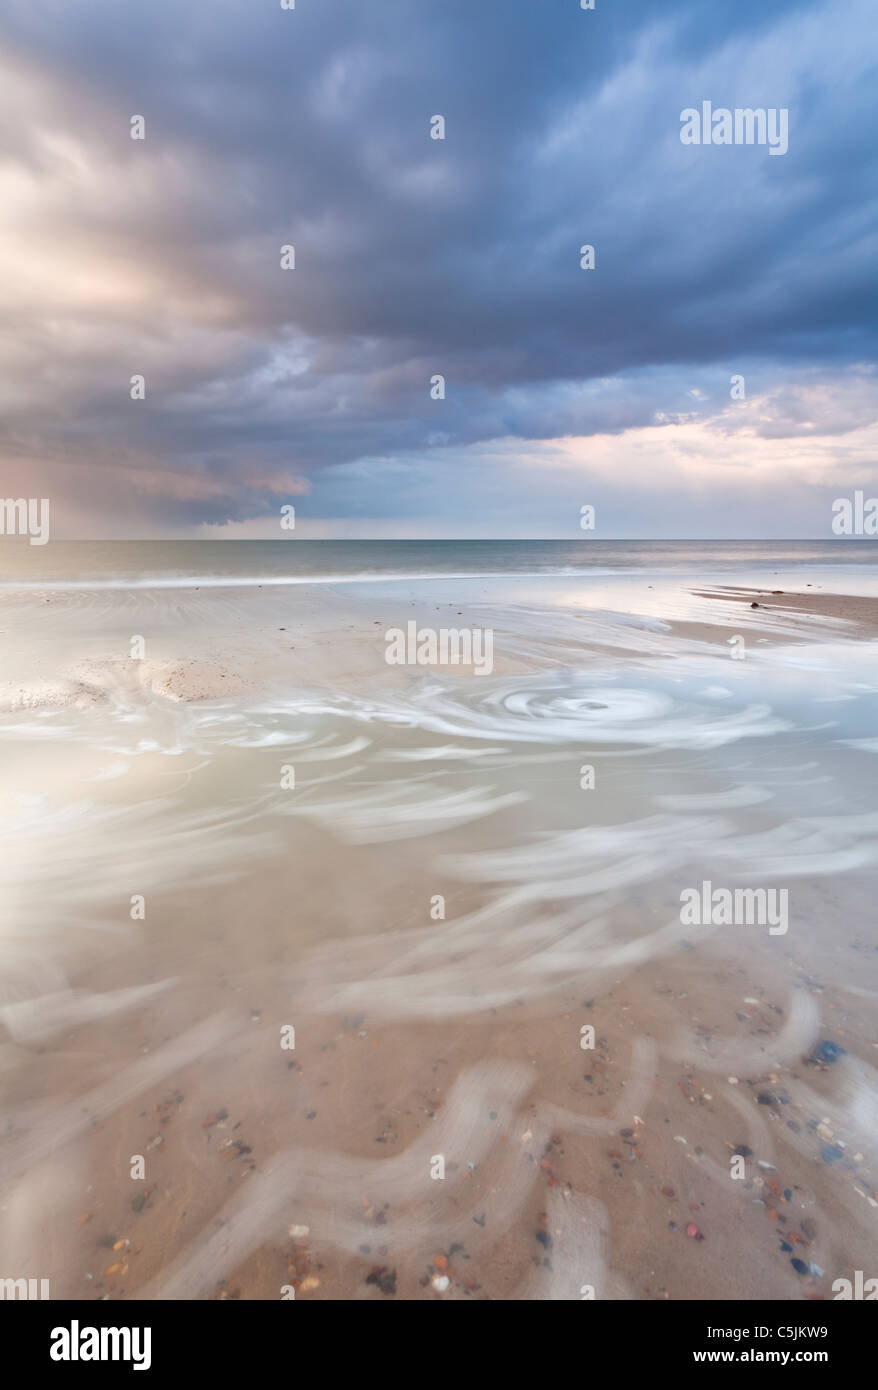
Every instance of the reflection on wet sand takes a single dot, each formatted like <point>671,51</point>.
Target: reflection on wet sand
<point>442,905</point>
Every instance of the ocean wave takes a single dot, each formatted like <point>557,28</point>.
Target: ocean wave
<point>266,581</point>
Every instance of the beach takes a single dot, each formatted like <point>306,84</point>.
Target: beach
<point>324,976</point>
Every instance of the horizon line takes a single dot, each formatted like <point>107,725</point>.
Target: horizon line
<point>428,540</point>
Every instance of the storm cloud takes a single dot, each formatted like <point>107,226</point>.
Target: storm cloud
<point>417,257</point>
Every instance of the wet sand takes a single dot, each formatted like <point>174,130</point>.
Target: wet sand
<point>313,1169</point>
<point>859,610</point>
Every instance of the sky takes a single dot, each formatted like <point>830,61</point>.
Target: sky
<point>416,257</point>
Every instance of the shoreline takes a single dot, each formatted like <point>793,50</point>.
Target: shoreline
<point>305,652</point>
<point>456,1035</point>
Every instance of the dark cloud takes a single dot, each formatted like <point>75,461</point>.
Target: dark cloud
<point>413,256</point>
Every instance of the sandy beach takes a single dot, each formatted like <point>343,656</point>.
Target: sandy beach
<point>260,826</point>
<point>438,680</point>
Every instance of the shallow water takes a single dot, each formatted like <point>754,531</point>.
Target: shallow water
<point>459,875</point>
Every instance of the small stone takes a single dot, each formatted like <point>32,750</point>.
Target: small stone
<point>384,1278</point>
<point>799,1266</point>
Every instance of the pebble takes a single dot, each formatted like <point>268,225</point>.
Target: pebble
<point>799,1266</point>
<point>385,1279</point>
<point>827,1052</point>
<point>440,1283</point>
<point>831,1153</point>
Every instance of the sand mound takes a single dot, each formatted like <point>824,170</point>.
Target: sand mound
<point>195,680</point>
<point>49,695</point>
